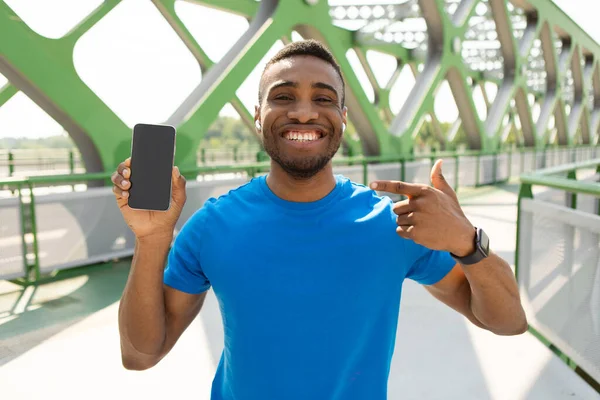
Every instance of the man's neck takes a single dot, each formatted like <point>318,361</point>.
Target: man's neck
<point>301,190</point>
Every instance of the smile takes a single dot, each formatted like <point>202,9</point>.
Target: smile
<point>302,136</point>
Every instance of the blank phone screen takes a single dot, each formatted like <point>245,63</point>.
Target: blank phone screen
<point>152,153</point>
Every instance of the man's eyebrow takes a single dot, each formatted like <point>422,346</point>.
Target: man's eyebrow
<point>279,84</point>
<point>322,85</point>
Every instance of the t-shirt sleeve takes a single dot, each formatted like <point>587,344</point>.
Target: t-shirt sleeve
<point>184,270</point>
<point>427,266</point>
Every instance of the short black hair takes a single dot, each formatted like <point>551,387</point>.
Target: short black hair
<point>309,47</point>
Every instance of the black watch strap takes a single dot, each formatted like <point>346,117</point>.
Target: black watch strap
<point>482,247</point>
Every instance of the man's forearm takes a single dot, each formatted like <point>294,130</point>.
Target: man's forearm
<point>142,310</point>
<point>495,299</point>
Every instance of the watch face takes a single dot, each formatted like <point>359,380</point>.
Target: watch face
<point>484,242</point>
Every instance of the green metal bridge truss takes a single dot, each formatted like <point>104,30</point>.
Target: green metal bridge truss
<point>545,69</point>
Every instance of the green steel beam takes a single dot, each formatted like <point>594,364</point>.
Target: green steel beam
<point>43,69</point>
<point>6,93</point>
<point>399,52</point>
<point>203,105</point>
<point>245,8</point>
<point>167,9</point>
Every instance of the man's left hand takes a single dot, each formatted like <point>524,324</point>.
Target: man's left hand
<point>431,216</point>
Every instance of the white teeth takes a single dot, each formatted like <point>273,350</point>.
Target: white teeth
<point>300,136</point>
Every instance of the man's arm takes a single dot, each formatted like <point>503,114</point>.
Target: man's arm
<point>486,293</point>
<point>152,316</point>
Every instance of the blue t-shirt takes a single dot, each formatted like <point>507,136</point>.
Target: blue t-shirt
<point>309,292</point>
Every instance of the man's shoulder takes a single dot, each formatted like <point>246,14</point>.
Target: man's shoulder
<point>233,197</point>
<point>362,193</point>
<point>239,193</point>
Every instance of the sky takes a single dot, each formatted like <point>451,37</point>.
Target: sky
<point>138,66</point>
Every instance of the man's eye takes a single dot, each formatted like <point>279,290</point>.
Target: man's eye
<point>324,99</point>
<point>283,97</point>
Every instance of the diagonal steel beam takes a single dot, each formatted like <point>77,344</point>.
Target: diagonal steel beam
<point>246,8</point>
<point>167,9</point>
<point>505,35</point>
<point>454,129</point>
<point>531,32</point>
<point>595,112</point>
<point>577,116</point>
<point>196,113</point>
<point>438,131</point>
<point>362,57</point>
<point>363,115</point>
<point>466,107</point>
<point>524,111</point>
<point>71,38</point>
<point>6,93</point>
<point>552,95</point>
<point>391,49</point>
<point>464,12</point>
<point>410,117</point>
<point>43,69</point>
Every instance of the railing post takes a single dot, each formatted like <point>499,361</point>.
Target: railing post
<point>403,170</point>
<point>456,158</point>
<point>36,253</point>
<point>572,200</point>
<point>598,199</point>
<point>365,173</point>
<point>29,227</point>
<point>403,174</point>
<point>522,161</point>
<point>524,192</point>
<point>71,162</point>
<point>24,225</point>
<point>509,163</point>
<point>477,169</point>
<point>11,163</point>
<point>495,167</point>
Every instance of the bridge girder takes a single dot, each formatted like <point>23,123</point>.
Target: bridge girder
<point>545,66</point>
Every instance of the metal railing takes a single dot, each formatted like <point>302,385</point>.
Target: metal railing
<point>36,213</point>
<point>24,162</point>
<point>39,162</point>
<point>557,261</point>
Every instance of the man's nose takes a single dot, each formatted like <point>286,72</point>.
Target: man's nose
<point>303,112</point>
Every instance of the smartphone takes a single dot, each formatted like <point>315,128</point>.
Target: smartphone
<point>152,157</point>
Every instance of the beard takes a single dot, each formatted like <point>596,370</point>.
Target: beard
<point>299,167</point>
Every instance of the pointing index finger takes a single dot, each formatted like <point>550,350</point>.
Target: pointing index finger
<point>397,187</point>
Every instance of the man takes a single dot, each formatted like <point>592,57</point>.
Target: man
<point>307,266</point>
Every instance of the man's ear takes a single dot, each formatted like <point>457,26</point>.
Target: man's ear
<point>257,118</point>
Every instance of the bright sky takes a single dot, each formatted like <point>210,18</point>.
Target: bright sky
<point>137,65</point>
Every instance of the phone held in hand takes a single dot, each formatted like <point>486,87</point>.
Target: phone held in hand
<point>152,157</point>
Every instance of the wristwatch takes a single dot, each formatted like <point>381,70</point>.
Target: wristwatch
<point>482,249</point>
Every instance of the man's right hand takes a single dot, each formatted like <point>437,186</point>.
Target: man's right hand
<point>148,224</point>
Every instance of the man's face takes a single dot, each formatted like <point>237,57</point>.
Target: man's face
<point>301,114</point>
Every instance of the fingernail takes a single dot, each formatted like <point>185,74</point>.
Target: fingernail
<point>125,183</point>
<point>177,173</point>
<point>125,193</point>
<point>373,186</point>
<point>125,172</point>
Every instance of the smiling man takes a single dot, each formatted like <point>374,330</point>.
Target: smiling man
<point>307,266</point>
